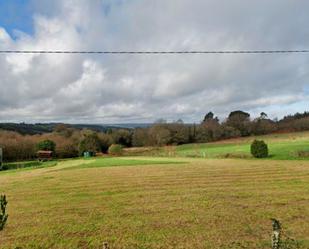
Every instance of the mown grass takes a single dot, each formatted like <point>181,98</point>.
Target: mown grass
<point>281,147</point>
<point>213,203</point>
<point>120,161</point>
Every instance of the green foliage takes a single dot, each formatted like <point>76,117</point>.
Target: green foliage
<point>208,116</point>
<point>47,145</point>
<point>20,165</point>
<point>105,141</point>
<point>288,146</point>
<point>259,149</point>
<point>115,150</point>
<point>240,121</point>
<point>123,137</point>
<point>27,164</point>
<point>3,215</point>
<point>90,143</point>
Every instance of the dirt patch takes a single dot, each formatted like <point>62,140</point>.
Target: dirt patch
<point>236,155</point>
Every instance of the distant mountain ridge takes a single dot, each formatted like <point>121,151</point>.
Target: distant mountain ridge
<point>40,128</point>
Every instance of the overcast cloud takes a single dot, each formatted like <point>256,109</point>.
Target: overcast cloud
<point>142,88</point>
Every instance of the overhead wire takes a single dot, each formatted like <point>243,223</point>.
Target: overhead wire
<point>154,52</point>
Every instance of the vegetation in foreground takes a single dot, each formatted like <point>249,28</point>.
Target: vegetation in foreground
<point>202,203</point>
<point>3,214</point>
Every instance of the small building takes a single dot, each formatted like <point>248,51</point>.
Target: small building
<point>45,155</point>
<point>88,154</point>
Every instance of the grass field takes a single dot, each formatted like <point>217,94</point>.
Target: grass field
<point>156,203</point>
<point>281,147</point>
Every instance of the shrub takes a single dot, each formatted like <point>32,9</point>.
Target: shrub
<point>106,140</point>
<point>90,143</point>
<point>47,145</point>
<point>3,215</point>
<point>66,149</point>
<point>123,137</point>
<point>259,149</point>
<point>115,150</point>
<point>303,153</point>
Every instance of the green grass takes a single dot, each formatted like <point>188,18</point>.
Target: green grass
<point>119,161</point>
<point>152,202</point>
<point>281,147</point>
<point>205,203</point>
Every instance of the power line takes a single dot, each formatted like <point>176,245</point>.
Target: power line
<point>154,52</point>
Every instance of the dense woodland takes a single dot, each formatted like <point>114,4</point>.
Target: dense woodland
<point>72,141</point>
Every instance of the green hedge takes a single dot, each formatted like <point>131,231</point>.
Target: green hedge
<point>20,165</point>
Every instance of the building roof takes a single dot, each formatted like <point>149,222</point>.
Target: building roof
<point>44,152</point>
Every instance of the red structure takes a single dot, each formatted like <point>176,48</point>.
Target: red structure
<point>45,155</point>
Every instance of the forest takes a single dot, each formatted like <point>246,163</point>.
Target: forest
<point>72,140</point>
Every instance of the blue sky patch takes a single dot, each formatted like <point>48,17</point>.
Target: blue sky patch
<point>16,15</point>
<point>306,89</point>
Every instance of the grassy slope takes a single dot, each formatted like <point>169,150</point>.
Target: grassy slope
<point>201,204</point>
<point>121,161</point>
<point>281,146</point>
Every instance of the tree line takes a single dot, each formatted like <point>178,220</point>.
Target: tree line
<point>72,142</point>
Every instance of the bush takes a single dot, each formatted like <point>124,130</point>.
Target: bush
<point>47,145</point>
<point>90,143</point>
<point>259,149</point>
<point>123,137</point>
<point>115,150</point>
<point>106,140</point>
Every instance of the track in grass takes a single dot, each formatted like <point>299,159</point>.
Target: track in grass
<point>121,161</point>
<point>202,204</point>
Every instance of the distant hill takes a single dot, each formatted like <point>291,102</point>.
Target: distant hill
<point>130,125</point>
<point>30,129</point>
<point>40,128</point>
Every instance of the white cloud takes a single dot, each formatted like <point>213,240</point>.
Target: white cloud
<point>122,88</point>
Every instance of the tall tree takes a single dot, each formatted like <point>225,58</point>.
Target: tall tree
<point>210,117</point>
<point>239,120</point>
<point>90,143</point>
<point>263,115</point>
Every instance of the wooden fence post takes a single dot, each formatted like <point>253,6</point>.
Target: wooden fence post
<point>275,238</point>
<point>105,245</point>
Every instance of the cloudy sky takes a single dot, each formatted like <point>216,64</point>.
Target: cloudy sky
<point>143,88</point>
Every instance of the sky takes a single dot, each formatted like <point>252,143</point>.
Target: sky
<point>144,88</point>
